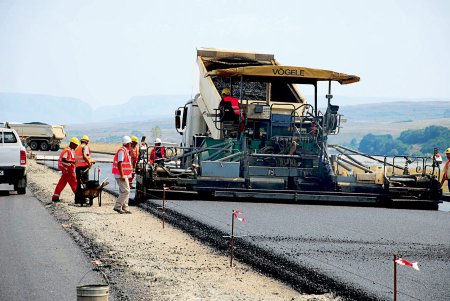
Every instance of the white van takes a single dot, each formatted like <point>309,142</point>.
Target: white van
<point>13,161</point>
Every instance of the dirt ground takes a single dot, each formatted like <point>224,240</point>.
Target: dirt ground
<point>145,262</point>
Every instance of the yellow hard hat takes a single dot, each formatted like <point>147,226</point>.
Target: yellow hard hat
<point>134,139</point>
<point>75,140</point>
<point>85,138</point>
<point>447,151</point>
<point>226,91</point>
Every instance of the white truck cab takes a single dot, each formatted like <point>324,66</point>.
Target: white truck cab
<point>13,161</point>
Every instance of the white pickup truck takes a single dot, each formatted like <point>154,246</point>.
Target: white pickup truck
<point>13,160</point>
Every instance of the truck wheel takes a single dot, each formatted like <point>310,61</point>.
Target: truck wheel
<point>44,146</point>
<point>34,145</point>
<point>54,147</point>
<point>21,190</point>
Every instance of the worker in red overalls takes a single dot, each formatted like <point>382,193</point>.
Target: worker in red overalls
<point>66,164</point>
<point>158,152</point>
<point>230,106</point>
<point>134,156</point>
<point>83,163</point>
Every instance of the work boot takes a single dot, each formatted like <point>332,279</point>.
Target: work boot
<point>56,200</point>
<point>126,211</point>
<point>120,211</point>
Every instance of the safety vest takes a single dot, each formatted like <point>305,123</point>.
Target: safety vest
<point>64,166</point>
<point>79,159</point>
<point>234,104</point>
<point>126,163</point>
<point>134,153</point>
<point>447,169</point>
<point>157,153</point>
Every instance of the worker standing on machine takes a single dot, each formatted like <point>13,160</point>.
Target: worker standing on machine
<point>134,156</point>
<point>83,163</point>
<point>122,170</point>
<point>66,164</point>
<point>158,152</point>
<point>230,106</point>
<point>446,176</point>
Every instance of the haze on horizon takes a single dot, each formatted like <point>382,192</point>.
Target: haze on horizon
<point>104,52</point>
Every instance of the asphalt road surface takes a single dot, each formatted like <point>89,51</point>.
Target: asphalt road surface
<point>353,245</point>
<point>38,259</point>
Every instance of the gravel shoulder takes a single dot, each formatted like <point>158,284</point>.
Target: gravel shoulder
<point>145,262</point>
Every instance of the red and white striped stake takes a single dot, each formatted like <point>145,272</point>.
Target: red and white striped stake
<point>234,214</point>
<point>398,260</point>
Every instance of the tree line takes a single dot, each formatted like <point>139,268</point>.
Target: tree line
<point>410,142</point>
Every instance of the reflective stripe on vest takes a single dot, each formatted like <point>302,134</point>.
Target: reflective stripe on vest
<point>234,104</point>
<point>64,166</point>
<point>79,159</point>
<point>126,165</point>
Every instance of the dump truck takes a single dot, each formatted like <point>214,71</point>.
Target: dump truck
<point>275,148</point>
<point>38,135</point>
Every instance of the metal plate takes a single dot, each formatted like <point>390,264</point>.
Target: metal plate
<point>2,173</point>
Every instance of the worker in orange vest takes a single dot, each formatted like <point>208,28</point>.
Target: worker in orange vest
<point>134,154</point>
<point>66,164</point>
<point>446,176</point>
<point>122,170</point>
<point>158,152</point>
<point>83,163</point>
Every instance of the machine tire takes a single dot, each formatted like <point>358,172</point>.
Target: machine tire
<point>34,145</point>
<point>21,186</point>
<point>44,146</point>
<point>139,195</point>
<point>55,147</point>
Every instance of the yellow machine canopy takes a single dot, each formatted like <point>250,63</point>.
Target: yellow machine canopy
<point>298,75</point>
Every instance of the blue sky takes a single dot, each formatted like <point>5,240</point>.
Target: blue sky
<point>106,51</point>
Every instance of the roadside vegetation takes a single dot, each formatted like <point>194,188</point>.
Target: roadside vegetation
<point>410,142</point>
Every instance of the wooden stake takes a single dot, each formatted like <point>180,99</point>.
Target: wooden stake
<point>164,205</point>
<point>232,239</point>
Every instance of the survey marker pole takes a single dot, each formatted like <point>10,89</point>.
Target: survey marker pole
<point>395,278</point>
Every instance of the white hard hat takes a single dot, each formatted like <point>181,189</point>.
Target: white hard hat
<point>126,139</point>
<point>157,140</point>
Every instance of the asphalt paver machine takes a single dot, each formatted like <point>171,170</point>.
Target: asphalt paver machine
<point>276,148</point>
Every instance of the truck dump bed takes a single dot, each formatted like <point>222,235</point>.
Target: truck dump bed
<point>252,91</point>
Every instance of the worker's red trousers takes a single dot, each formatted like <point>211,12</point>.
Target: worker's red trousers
<point>65,178</point>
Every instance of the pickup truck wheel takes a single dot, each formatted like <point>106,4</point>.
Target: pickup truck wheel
<point>34,145</point>
<point>21,190</point>
<point>44,146</point>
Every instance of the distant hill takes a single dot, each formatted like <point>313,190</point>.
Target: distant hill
<point>399,111</point>
<point>19,107</point>
<point>141,108</point>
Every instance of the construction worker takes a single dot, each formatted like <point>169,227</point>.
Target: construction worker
<point>83,163</point>
<point>122,170</point>
<point>158,152</point>
<point>446,176</point>
<point>66,164</point>
<point>134,154</point>
<point>230,106</point>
